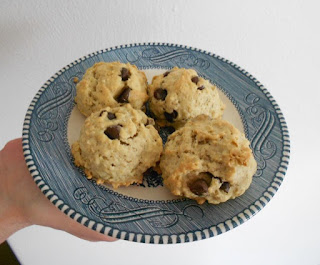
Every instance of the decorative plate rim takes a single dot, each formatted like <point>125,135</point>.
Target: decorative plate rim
<point>214,230</point>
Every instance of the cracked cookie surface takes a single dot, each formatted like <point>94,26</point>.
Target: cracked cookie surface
<point>117,145</point>
<point>108,84</point>
<point>180,94</point>
<point>207,160</point>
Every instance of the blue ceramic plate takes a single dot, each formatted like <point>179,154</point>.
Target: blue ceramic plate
<point>149,213</point>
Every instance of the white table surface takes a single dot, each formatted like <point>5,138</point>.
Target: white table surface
<point>275,41</point>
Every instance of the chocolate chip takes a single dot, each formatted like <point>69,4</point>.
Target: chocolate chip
<point>102,113</point>
<point>171,116</point>
<point>113,132</point>
<point>225,187</point>
<point>160,94</point>
<point>198,187</point>
<point>124,96</point>
<point>195,79</point>
<point>125,74</point>
<point>201,87</point>
<point>111,116</point>
<point>166,73</point>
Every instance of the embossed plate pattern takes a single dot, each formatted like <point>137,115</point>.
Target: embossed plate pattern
<point>160,221</point>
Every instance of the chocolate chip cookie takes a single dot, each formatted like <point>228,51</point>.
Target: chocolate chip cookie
<point>207,159</point>
<point>180,94</point>
<point>117,145</point>
<point>109,84</point>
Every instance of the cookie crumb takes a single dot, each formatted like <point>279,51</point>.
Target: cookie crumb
<point>75,80</point>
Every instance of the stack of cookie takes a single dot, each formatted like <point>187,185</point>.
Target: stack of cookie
<point>118,141</point>
<point>205,159</point>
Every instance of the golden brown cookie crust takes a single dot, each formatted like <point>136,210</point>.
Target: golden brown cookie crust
<point>103,84</point>
<point>214,153</point>
<point>180,94</point>
<point>121,156</point>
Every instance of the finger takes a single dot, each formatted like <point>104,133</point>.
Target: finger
<point>14,148</point>
<point>46,214</point>
<point>41,211</point>
<point>73,227</point>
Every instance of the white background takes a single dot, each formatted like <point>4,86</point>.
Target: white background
<point>276,41</point>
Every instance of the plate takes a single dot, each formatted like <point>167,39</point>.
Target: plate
<point>148,213</point>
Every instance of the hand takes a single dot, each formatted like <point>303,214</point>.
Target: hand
<point>23,204</point>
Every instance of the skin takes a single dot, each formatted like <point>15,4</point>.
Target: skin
<point>22,203</point>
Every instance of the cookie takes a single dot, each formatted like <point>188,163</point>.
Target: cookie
<point>180,94</point>
<point>108,84</point>
<point>117,145</point>
<point>207,160</point>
